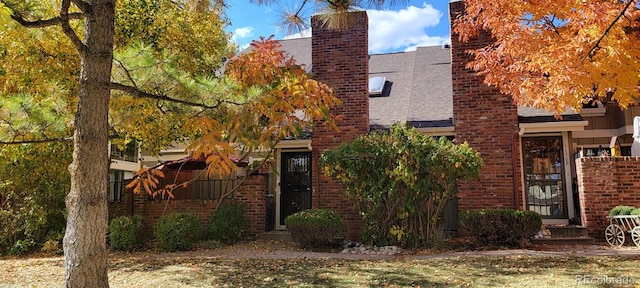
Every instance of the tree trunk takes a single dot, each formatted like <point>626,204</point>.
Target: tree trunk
<point>85,249</point>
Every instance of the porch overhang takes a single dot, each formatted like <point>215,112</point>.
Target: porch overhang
<point>546,124</point>
<point>294,144</point>
<point>552,126</point>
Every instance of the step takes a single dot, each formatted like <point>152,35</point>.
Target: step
<point>275,235</point>
<point>567,231</point>
<point>582,240</point>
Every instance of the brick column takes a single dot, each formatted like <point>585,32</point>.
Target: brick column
<point>604,183</point>
<point>341,60</point>
<point>488,120</point>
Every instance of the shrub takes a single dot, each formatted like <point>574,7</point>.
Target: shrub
<point>125,232</point>
<point>501,227</point>
<point>635,211</point>
<point>177,231</point>
<point>32,189</point>
<point>21,246</point>
<point>228,223</point>
<point>621,210</point>
<point>50,246</point>
<point>316,228</point>
<point>401,181</point>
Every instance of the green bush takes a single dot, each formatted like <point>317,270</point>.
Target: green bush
<point>125,232</point>
<point>228,223</point>
<point>400,181</point>
<point>177,231</point>
<point>21,246</point>
<point>33,189</point>
<point>635,211</point>
<point>621,210</point>
<point>316,228</point>
<point>501,227</point>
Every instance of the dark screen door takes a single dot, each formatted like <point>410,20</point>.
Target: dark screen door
<point>544,176</point>
<point>295,183</point>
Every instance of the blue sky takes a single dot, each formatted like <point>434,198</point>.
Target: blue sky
<point>401,28</point>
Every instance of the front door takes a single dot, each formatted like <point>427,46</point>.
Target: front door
<point>295,183</point>
<point>544,181</point>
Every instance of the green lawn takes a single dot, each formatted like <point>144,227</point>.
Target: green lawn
<point>151,270</point>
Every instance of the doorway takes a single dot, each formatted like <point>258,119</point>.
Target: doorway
<point>295,183</point>
<point>544,176</point>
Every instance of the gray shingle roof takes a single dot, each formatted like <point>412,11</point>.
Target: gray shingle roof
<point>418,89</point>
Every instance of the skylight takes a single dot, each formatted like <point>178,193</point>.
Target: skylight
<point>376,85</point>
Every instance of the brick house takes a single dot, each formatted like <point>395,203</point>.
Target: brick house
<point>531,158</point>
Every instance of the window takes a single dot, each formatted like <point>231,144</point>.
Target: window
<point>129,153</point>
<point>116,182</point>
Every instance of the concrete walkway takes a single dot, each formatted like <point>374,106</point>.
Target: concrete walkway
<point>244,252</point>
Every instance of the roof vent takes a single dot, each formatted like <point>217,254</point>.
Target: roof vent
<point>376,85</point>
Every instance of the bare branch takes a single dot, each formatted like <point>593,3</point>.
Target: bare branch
<point>135,92</point>
<point>604,34</point>
<point>66,27</point>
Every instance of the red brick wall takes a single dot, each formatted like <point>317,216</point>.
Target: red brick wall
<point>488,120</point>
<point>252,193</point>
<point>341,60</point>
<point>604,183</point>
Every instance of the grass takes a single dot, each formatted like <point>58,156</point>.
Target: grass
<point>183,270</point>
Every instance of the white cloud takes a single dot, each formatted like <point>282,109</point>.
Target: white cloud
<point>243,32</point>
<point>403,29</point>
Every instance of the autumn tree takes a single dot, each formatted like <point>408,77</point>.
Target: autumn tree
<point>557,54</point>
<point>63,51</point>
<point>277,100</point>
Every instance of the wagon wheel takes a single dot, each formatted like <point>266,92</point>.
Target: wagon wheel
<point>614,235</point>
<point>635,235</point>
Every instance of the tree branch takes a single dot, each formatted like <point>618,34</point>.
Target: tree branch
<point>82,5</point>
<point>42,23</point>
<point>135,92</point>
<point>61,139</point>
<point>606,32</point>
<point>66,28</point>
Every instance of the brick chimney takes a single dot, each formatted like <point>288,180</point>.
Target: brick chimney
<point>488,120</point>
<point>340,59</point>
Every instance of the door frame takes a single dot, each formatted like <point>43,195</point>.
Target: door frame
<point>567,168</point>
<point>286,147</point>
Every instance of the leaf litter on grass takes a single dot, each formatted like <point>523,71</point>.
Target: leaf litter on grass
<point>201,268</point>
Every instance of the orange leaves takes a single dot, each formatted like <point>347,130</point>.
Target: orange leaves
<point>556,54</point>
<point>149,180</point>
<point>289,100</point>
<point>146,179</point>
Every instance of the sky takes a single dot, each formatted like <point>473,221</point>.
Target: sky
<point>395,29</point>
